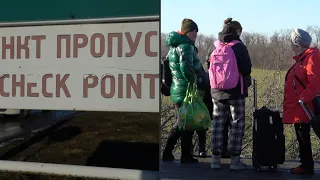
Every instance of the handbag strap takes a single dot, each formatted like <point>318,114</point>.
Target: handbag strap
<point>295,75</point>
<point>298,79</point>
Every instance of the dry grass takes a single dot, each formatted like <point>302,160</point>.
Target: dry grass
<point>79,140</point>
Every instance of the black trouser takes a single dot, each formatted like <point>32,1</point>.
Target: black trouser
<point>303,137</point>
<point>175,134</point>
<point>202,137</point>
<point>186,142</point>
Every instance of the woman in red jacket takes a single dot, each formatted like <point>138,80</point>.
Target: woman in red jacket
<point>307,69</point>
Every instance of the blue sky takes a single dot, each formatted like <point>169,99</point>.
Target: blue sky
<point>257,16</point>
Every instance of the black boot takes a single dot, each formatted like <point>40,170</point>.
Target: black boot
<point>186,144</point>
<point>171,142</point>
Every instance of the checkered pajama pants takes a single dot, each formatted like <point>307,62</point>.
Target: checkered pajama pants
<point>221,110</point>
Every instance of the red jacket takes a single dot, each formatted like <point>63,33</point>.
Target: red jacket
<point>307,68</point>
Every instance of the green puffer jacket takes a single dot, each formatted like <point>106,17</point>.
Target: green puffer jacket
<point>184,64</point>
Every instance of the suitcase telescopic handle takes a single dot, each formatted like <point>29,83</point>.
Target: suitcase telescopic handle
<point>255,94</point>
<point>306,109</point>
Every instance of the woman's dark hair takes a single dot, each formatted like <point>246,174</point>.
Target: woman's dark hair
<point>231,26</point>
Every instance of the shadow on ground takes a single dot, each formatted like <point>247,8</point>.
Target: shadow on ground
<point>129,155</point>
<point>64,134</point>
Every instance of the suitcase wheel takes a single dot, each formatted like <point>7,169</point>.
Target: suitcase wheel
<point>273,168</point>
<point>258,168</point>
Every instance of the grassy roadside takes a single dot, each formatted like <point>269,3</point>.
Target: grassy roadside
<point>96,139</point>
<point>24,176</point>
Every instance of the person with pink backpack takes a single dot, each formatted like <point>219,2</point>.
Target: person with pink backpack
<point>230,77</point>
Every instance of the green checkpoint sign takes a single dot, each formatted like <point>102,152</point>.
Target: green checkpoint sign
<point>44,10</point>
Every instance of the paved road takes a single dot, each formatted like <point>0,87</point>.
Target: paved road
<point>202,171</point>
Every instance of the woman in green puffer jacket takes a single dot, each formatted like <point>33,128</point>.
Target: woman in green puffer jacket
<point>185,68</point>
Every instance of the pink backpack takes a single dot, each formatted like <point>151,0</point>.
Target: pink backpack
<point>223,70</point>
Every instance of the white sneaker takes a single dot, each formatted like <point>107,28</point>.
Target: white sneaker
<point>215,164</point>
<point>236,164</point>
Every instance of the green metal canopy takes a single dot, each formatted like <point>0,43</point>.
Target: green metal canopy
<point>43,10</point>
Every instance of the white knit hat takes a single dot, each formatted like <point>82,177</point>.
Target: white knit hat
<point>301,37</point>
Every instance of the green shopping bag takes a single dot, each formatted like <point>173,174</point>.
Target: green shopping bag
<point>193,114</point>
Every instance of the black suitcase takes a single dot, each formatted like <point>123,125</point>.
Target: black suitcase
<point>267,138</point>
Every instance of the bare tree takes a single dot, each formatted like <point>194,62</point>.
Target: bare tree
<point>315,33</point>
<point>164,48</point>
